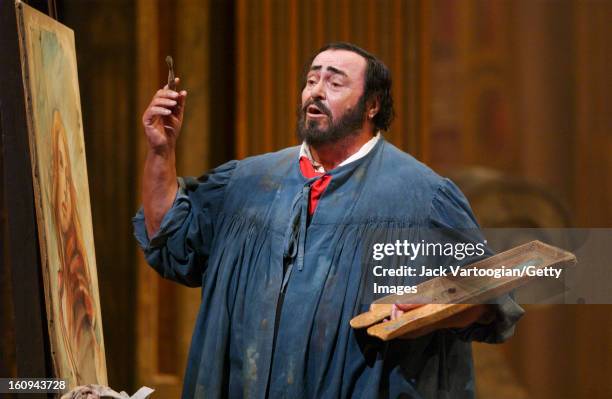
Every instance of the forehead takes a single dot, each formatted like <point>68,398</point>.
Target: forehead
<point>352,64</point>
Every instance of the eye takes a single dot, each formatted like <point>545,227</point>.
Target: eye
<point>311,82</point>
<point>336,84</point>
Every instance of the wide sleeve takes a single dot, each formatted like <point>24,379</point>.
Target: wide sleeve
<point>451,214</point>
<point>179,250</point>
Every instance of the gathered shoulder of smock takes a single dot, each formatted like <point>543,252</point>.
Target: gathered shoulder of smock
<point>404,190</point>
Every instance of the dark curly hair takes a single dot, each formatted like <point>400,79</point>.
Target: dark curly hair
<point>377,82</point>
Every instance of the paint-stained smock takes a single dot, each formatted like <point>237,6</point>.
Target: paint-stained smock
<point>279,287</point>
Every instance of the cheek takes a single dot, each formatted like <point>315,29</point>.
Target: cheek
<point>349,105</point>
<point>338,106</point>
<point>305,95</point>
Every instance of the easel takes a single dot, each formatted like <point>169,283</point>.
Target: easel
<point>24,346</point>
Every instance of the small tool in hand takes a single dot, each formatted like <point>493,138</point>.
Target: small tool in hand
<point>171,82</point>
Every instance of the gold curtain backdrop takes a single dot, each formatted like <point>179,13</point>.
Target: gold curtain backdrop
<point>274,39</point>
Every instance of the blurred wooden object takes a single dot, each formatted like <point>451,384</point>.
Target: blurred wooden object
<point>24,348</point>
<point>419,321</point>
<point>495,378</point>
<point>502,201</point>
<point>448,296</point>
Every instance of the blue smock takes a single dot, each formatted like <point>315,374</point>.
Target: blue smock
<point>279,287</point>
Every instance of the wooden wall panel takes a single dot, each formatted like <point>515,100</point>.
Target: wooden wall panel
<point>167,311</point>
<point>471,78</point>
<point>148,56</point>
<point>521,87</point>
<point>549,60</point>
<point>592,144</point>
<point>545,95</point>
<point>106,64</point>
<point>592,180</point>
<point>275,38</point>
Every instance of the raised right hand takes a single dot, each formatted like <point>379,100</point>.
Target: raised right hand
<point>163,118</point>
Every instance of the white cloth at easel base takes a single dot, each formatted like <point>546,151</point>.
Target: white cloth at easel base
<point>102,392</point>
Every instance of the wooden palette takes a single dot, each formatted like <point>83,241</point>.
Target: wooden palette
<point>443,297</point>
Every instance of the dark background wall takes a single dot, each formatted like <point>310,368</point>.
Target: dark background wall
<point>105,42</point>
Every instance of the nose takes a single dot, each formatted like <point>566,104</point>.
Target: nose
<point>317,91</point>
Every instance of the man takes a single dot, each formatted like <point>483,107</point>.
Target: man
<point>277,243</point>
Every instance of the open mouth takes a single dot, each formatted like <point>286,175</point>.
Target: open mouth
<point>314,111</point>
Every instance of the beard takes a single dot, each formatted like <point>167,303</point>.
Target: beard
<point>348,124</point>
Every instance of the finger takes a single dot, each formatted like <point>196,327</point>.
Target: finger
<point>182,96</point>
<point>153,111</point>
<point>408,306</point>
<point>165,102</point>
<point>181,102</point>
<point>176,82</point>
<point>394,312</point>
<point>166,93</point>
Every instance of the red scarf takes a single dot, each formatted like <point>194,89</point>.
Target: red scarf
<point>317,188</point>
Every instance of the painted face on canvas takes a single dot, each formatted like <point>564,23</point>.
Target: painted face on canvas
<point>62,175</point>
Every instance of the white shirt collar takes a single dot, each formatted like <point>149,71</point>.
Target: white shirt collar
<point>362,152</point>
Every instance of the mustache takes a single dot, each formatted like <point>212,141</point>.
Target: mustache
<point>318,104</point>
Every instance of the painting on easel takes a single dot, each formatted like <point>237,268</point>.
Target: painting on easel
<point>57,152</point>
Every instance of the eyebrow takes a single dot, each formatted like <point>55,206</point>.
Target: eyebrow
<point>329,68</point>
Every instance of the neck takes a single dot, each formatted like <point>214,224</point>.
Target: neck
<point>332,154</point>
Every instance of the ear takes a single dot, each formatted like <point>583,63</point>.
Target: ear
<point>373,106</point>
